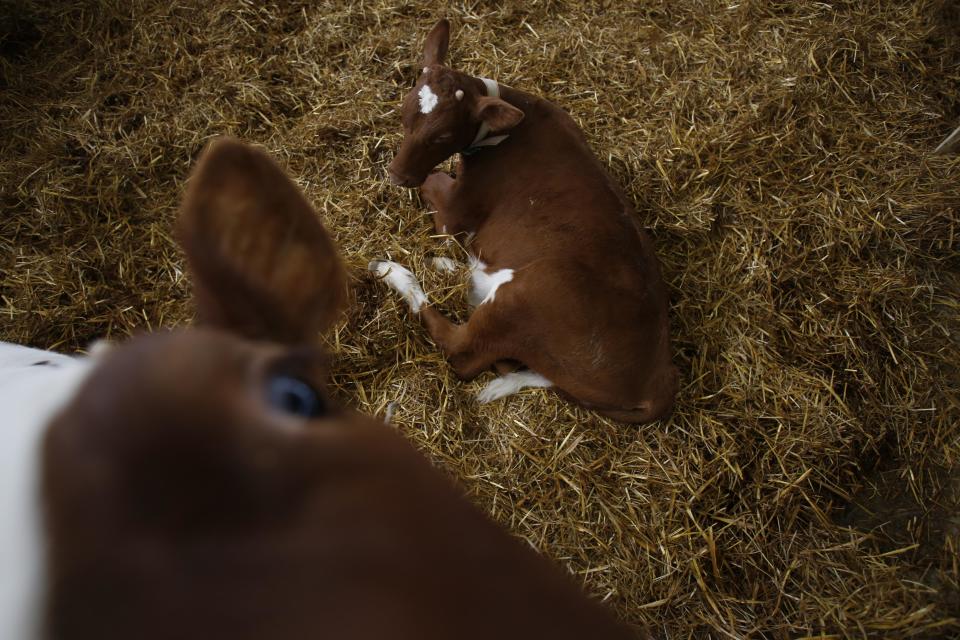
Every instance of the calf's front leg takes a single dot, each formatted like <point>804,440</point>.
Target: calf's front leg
<point>472,347</point>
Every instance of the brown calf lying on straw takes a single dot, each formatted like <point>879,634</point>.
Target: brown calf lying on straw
<point>564,280</point>
<point>201,484</point>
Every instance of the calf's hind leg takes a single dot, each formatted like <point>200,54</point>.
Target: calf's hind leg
<point>473,347</point>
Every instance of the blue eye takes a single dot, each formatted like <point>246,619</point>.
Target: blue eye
<point>294,396</point>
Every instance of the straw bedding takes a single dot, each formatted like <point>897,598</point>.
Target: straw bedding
<point>807,482</point>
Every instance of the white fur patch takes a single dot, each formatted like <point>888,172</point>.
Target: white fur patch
<point>510,384</point>
<point>401,280</point>
<point>34,385</point>
<point>428,99</point>
<point>445,265</point>
<point>483,285</point>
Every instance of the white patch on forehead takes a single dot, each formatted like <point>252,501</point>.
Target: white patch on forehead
<point>428,99</point>
<point>34,385</point>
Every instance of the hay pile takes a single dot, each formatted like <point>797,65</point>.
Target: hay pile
<point>778,151</point>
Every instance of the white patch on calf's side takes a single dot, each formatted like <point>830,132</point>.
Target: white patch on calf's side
<point>401,280</point>
<point>483,285</point>
<point>428,99</point>
<point>34,386</point>
<point>510,384</point>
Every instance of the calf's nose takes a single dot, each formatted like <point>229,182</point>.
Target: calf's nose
<point>401,180</point>
<point>400,177</point>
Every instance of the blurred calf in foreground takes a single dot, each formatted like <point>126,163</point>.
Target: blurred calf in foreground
<point>200,483</point>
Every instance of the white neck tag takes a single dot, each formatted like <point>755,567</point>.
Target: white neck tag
<point>482,139</point>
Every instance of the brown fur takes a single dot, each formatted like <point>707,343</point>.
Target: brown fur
<point>587,307</point>
<point>180,504</point>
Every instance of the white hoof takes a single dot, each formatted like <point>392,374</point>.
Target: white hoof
<point>401,280</point>
<point>510,384</point>
<point>445,265</point>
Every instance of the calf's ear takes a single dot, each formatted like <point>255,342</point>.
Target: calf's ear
<point>263,265</point>
<point>500,116</point>
<point>438,40</point>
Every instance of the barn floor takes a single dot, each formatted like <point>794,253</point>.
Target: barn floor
<point>807,484</point>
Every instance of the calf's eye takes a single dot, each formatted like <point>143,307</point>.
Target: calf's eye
<point>294,396</point>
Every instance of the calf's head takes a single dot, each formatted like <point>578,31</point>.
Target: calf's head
<point>444,113</point>
<point>203,484</point>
